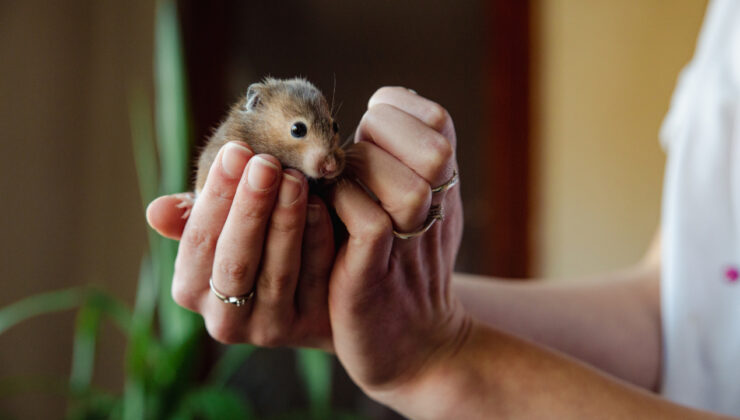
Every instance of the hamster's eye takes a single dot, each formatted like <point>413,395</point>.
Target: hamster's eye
<point>298,130</point>
<point>335,127</point>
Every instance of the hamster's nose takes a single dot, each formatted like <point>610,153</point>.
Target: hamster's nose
<point>329,167</point>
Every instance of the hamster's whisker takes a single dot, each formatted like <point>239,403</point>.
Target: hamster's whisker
<point>339,107</point>
<point>350,140</point>
<point>333,91</point>
<point>353,159</point>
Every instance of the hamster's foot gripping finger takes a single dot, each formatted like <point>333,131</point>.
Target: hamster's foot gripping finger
<point>168,214</point>
<point>187,200</point>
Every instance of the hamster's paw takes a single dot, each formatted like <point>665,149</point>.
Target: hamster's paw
<point>187,200</point>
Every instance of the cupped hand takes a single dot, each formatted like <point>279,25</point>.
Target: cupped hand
<point>253,227</point>
<point>392,313</point>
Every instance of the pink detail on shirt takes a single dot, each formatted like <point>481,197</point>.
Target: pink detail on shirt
<point>732,274</point>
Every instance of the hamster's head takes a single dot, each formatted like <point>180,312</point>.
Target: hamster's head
<point>291,120</point>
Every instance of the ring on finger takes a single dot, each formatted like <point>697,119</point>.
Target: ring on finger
<point>436,212</point>
<point>234,300</point>
<point>454,179</point>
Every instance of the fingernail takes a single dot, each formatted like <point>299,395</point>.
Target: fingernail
<point>233,159</point>
<point>290,190</point>
<point>314,213</point>
<point>262,173</point>
<point>412,91</point>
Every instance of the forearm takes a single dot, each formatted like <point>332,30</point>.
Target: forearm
<point>494,375</point>
<point>612,324</point>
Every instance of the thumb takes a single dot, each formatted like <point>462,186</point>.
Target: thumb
<point>366,254</point>
<point>168,214</point>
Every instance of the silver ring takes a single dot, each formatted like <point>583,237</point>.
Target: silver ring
<point>454,179</point>
<point>234,300</point>
<point>435,213</point>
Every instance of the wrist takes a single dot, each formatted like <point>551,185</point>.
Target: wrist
<point>450,379</point>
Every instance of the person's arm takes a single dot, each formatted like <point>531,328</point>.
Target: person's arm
<point>406,339</point>
<point>495,375</point>
<point>612,322</point>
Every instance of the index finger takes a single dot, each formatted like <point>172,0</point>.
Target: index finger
<point>429,112</point>
<point>408,139</point>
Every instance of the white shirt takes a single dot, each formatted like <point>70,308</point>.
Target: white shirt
<point>701,222</point>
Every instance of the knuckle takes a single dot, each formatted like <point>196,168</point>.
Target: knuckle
<point>199,241</point>
<point>223,332</point>
<point>268,337</point>
<point>232,272</point>
<point>183,296</point>
<point>275,287</point>
<point>375,117</point>
<point>381,92</point>
<point>286,224</point>
<point>256,209</point>
<point>375,228</point>
<point>435,115</point>
<point>417,196</point>
<point>221,190</point>
<point>439,149</point>
<point>378,111</point>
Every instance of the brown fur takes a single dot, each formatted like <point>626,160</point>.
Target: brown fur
<point>265,126</point>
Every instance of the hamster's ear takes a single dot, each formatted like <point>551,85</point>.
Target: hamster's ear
<point>253,96</point>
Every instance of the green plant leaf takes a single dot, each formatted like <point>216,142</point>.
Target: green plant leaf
<point>83,352</point>
<point>146,297</point>
<point>171,112</point>
<point>308,414</point>
<point>179,328</point>
<point>94,404</point>
<point>233,357</point>
<point>113,309</point>
<point>97,305</point>
<point>171,101</point>
<point>158,371</point>
<point>142,136</point>
<point>314,368</point>
<point>134,399</point>
<point>175,367</point>
<point>213,403</point>
<point>142,348</point>
<point>43,303</point>
<point>177,325</point>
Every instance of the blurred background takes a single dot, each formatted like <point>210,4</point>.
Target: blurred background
<point>557,106</point>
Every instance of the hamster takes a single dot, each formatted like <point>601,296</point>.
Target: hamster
<point>289,119</point>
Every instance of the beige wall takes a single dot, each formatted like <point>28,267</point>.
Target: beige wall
<point>605,71</point>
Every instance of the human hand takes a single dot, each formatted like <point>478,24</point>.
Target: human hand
<point>392,313</point>
<point>253,227</point>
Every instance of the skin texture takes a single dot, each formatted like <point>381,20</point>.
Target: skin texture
<point>245,231</point>
<point>623,313</point>
<point>408,332</point>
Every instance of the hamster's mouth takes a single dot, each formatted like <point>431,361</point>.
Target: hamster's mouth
<point>332,176</point>
<point>331,166</point>
<point>320,163</point>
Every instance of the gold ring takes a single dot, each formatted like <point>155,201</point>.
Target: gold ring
<point>454,179</point>
<point>234,300</point>
<point>435,213</point>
